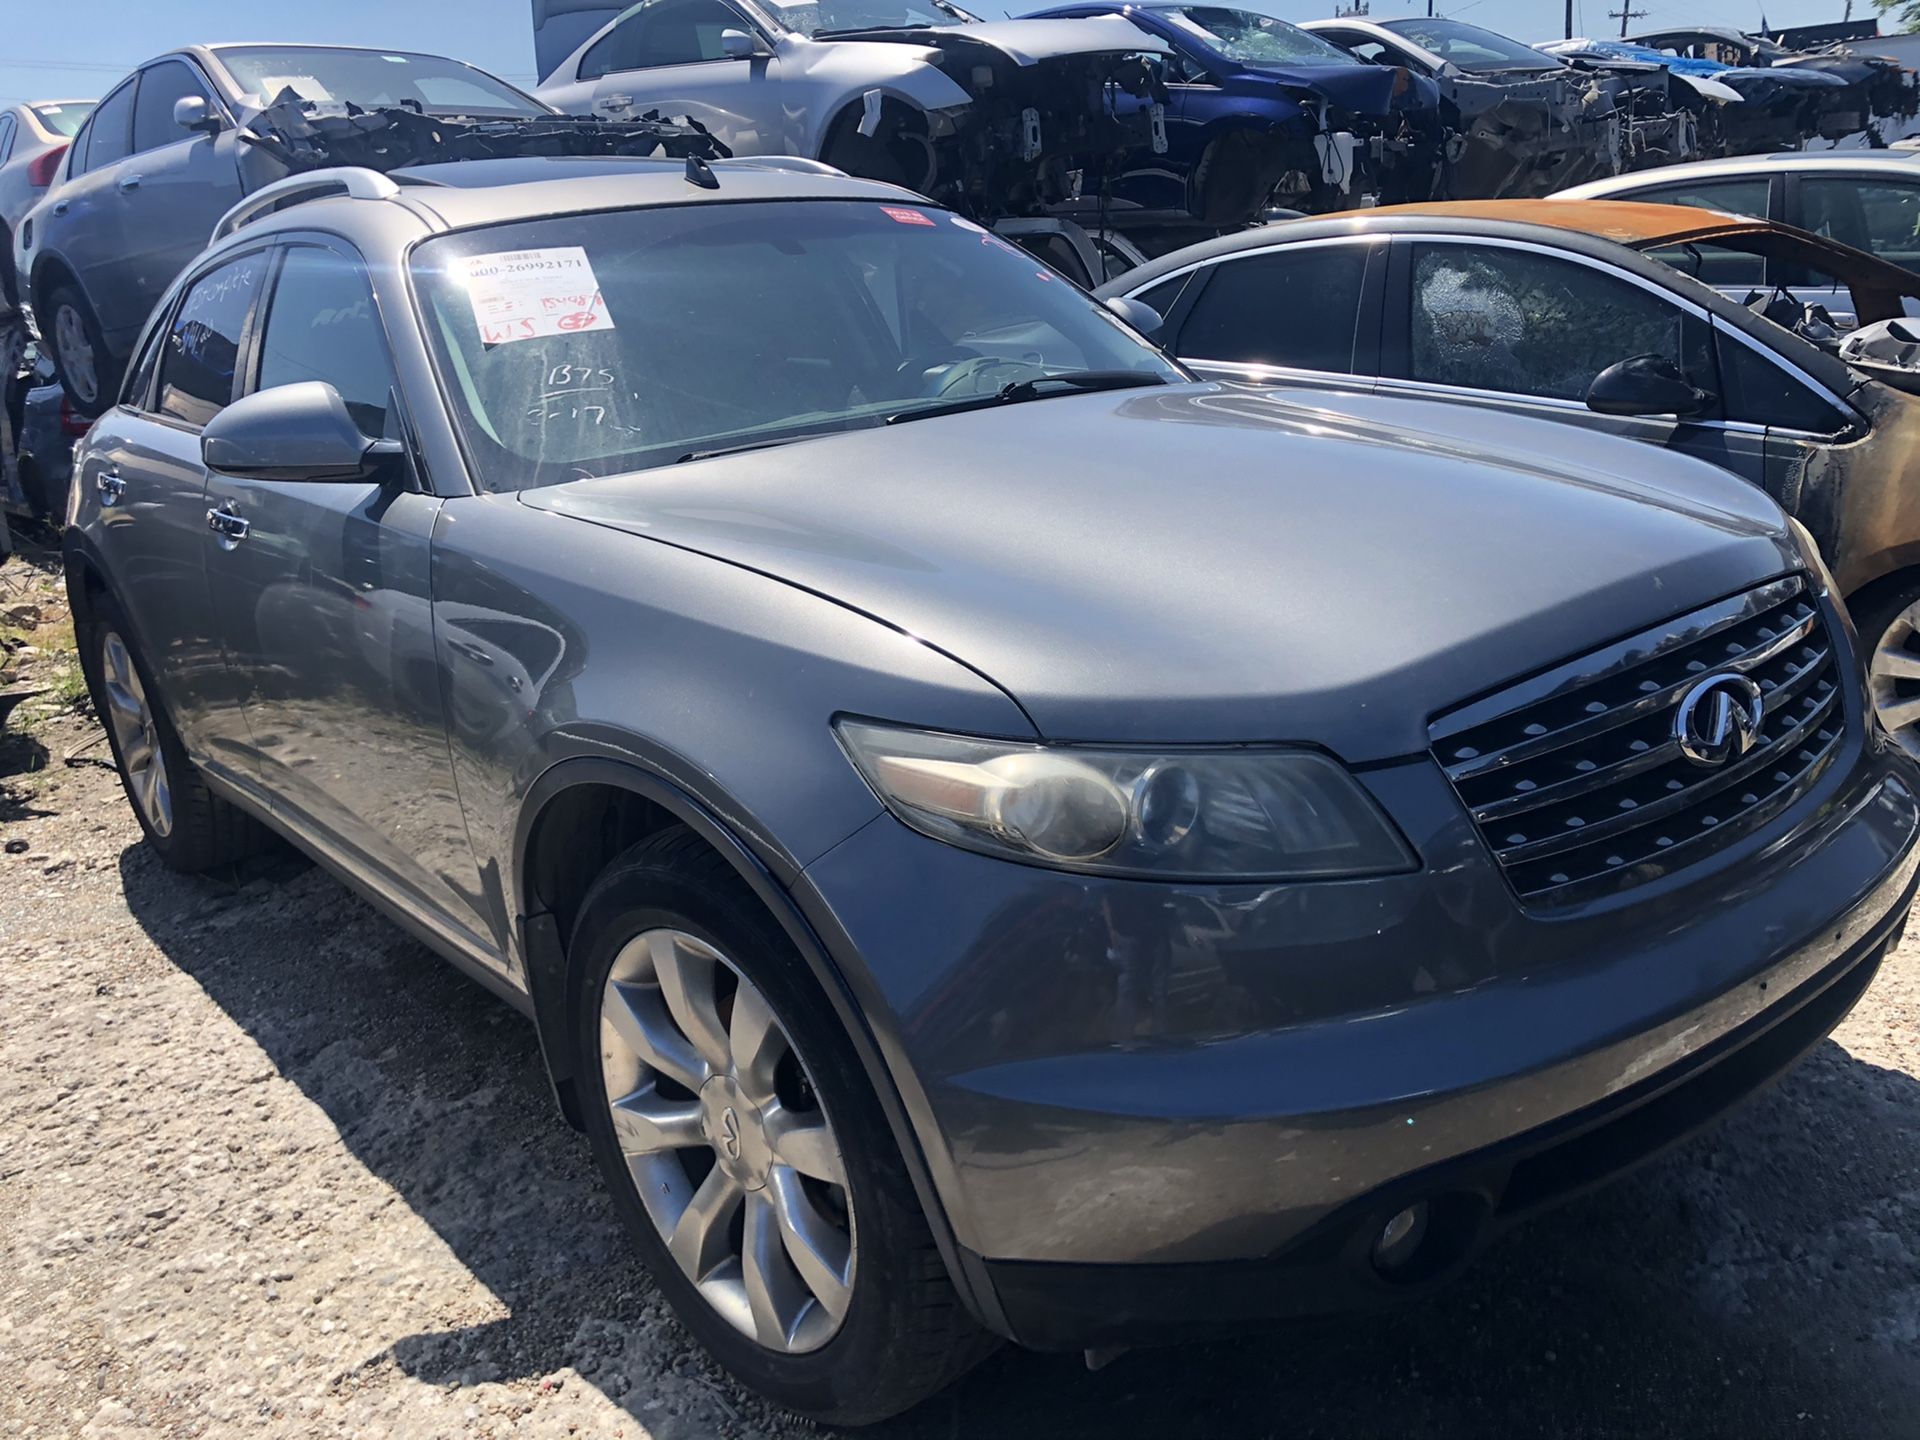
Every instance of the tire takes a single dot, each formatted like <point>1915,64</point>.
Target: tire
<point>88,371</point>
<point>1887,618</point>
<point>902,1333</point>
<point>194,830</point>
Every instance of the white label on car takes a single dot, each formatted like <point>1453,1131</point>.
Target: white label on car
<point>305,86</point>
<point>528,294</point>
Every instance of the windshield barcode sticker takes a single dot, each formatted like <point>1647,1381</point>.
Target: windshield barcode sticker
<point>530,294</point>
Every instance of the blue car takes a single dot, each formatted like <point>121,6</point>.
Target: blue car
<point>1262,113</point>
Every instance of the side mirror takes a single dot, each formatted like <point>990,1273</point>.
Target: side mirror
<point>293,432</point>
<point>1140,315</point>
<point>738,45</point>
<point>192,112</point>
<point>1647,385</point>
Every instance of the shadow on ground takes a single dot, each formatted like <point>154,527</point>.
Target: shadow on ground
<point>1763,1282</point>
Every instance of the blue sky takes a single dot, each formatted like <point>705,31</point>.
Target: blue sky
<point>69,49</point>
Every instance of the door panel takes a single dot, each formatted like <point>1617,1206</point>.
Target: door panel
<point>667,55</point>
<point>324,611</point>
<point>84,224</point>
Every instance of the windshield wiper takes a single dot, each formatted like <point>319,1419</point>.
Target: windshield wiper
<point>1018,390</point>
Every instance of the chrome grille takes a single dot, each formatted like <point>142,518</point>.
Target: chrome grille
<point>1576,779</point>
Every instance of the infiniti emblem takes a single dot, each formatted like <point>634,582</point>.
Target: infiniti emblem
<point>1719,719</point>
<point>730,1140</point>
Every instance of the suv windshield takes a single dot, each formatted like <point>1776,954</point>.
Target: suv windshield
<point>63,119</point>
<point>603,343</point>
<point>1470,47</point>
<point>372,77</point>
<point>1250,38</point>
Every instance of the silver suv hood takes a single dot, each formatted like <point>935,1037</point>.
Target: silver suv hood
<point>1218,563</point>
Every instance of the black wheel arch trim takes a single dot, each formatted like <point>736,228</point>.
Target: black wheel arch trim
<point>544,954</point>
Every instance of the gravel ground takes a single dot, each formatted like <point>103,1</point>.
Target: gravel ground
<point>268,1167</point>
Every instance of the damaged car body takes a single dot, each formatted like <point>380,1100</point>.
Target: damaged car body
<point>1262,113</point>
<point>1619,317</point>
<point>1530,121</point>
<point>1874,87</point>
<point>192,133</point>
<point>997,120</point>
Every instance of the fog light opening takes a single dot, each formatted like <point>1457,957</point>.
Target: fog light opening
<point>1400,1239</point>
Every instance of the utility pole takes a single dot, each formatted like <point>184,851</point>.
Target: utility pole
<point>1625,13</point>
<point>1569,34</point>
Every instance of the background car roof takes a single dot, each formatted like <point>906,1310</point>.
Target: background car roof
<point>1884,161</point>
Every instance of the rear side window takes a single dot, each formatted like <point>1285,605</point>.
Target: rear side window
<point>160,88</point>
<point>663,32</point>
<point>618,49</point>
<point>1521,323</point>
<point>202,349</point>
<point>7,126</point>
<point>1292,307</point>
<point>1741,195</point>
<point>322,325</point>
<point>1881,217</point>
<point>110,136</point>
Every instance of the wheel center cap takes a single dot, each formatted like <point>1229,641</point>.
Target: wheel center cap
<point>737,1132</point>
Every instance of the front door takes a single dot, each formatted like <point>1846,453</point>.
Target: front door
<point>1514,327</point>
<point>321,595</point>
<point>667,55</point>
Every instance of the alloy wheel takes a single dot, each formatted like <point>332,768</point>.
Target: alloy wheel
<point>136,735</point>
<point>76,354</point>
<point>1893,678</point>
<point>728,1145</point>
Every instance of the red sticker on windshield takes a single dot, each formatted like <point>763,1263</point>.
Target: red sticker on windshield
<point>904,217</point>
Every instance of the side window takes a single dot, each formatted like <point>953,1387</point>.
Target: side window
<point>321,325</point>
<point>1523,323</point>
<point>7,125</point>
<point>1878,216</point>
<point>111,129</point>
<point>663,32</point>
<point>1737,195</point>
<point>1163,297</point>
<point>1179,70</point>
<point>160,86</point>
<point>1292,307</point>
<point>138,389</point>
<point>202,347</point>
<point>1762,393</point>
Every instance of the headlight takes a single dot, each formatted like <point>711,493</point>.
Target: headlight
<point>1172,814</point>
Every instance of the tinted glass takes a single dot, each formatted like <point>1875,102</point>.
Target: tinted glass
<point>594,344</point>
<point>1737,195</point>
<point>372,77</point>
<point>665,32</point>
<point>1293,307</point>
<point>322,325</point>
<point>1163,297</point>
<point>203,342</point>
<point>1878,216</point>
<point>1762,393</point>
<point>110,136</point>
<point>139,383</point>
<point>1523,323</point>
<point>160,87</point>
<point>63,119</point>
<point>7,126</point>
<point>1470,47</point>
<point>1253,39</point>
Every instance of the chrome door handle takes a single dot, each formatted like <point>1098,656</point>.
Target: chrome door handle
<point>110,486</point>
<point>228,526</point>
<point>131,182</point>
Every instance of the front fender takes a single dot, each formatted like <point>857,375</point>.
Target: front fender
<point>825,79</point>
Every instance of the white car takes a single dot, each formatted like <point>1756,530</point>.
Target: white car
<point>1869,199</point>
<point>33,137</point>
<point>998,118</point>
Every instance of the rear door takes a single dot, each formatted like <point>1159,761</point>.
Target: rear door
<point>322,603</point>
<point>1304,314</point>
<point>1513,326</point>
<point>172,189</point>
<point>85,224</point>
<point>143,472</point>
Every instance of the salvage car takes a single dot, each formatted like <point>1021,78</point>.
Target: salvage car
<point>1002,119</point>
<point>1601,315</point>
<point>1532,122</point>
<point>177,143</point>
<point>1868,199</point>
<point>33,137</point>
<point>1260,113</point>
<point>967,883</point>
<point>1876,87</point>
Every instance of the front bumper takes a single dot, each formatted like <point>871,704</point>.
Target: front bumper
<point>1219,1130</point>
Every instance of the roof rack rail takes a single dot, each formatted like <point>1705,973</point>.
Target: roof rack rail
<point>354,181</point>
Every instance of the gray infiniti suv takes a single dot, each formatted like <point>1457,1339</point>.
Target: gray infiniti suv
<point>998,839</point>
